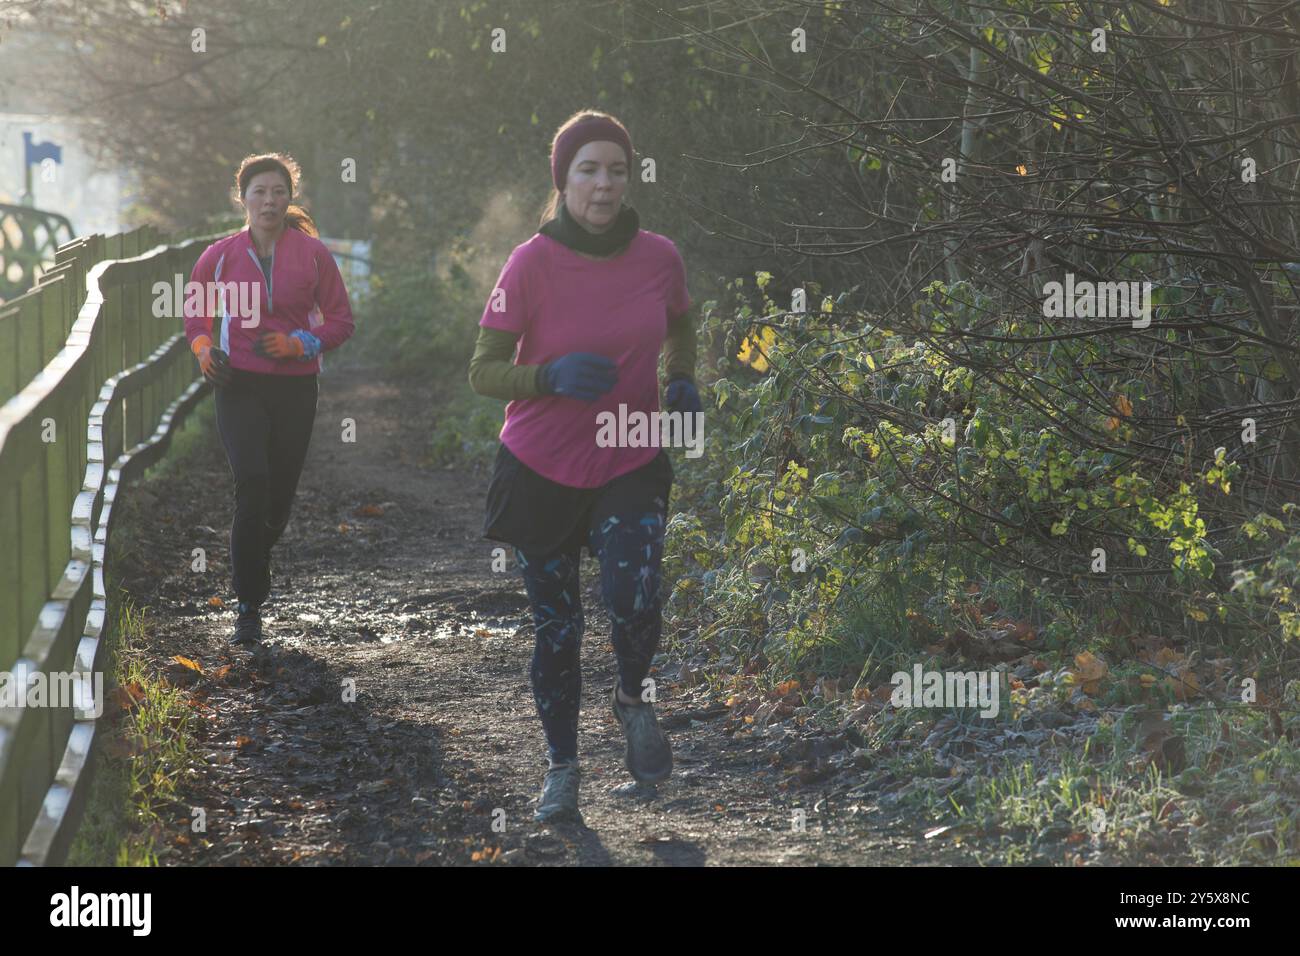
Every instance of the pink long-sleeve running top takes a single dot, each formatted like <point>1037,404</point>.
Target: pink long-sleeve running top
<point>305,291</point>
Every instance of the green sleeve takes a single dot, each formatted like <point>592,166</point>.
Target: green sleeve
<point>679,347</point>
<point>493,372</point>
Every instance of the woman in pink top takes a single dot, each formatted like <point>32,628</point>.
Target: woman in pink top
<point>584,308</point>
<point>283,304</point>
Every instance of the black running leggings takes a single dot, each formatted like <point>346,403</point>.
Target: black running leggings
<point>265,423</point>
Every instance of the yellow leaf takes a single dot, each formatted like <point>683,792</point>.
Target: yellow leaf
<point>1123,406</point>
<point>192,665</point>
<point>745,352</point>
<point>1022,170</point>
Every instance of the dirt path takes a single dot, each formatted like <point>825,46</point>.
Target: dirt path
<point>442,739</point>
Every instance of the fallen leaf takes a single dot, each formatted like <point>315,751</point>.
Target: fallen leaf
<point>216,601</point>
<point>1089,670</point>
<point>1023,631</point>
<point>185,661</point>
<point>1183,683</point>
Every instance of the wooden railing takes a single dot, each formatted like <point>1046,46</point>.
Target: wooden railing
<point>93,385</point>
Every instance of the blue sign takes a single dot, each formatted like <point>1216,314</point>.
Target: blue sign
<point>39,152</point>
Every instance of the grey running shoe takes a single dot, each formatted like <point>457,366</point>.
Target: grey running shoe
<point>649,757</point>
<point>248,625</point>
<point>559,799</point>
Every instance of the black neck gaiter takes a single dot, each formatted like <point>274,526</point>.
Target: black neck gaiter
<point>563,228</point>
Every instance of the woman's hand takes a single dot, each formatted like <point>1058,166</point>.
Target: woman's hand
<point>299,344</point>
<point>683,396</point>
<point>214,363</point>
<point>580,375</point>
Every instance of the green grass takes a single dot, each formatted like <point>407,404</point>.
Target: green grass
<point>1106,804</point>
<point>136,780</point>
<point>466,430</point>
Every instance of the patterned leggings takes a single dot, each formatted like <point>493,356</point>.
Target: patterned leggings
<point>629,548</point>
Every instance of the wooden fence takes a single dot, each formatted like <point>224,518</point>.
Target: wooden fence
<point>92,386</point>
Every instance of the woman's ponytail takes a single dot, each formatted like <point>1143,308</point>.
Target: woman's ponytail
<point>296,217</point>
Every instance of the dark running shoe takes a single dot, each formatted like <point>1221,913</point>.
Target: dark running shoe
<point>649,757</point>
<point>248,625</point>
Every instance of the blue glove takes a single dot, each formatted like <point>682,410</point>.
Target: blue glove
<point>683,396</point>
<point>311,345</point>
<point>579,375</point>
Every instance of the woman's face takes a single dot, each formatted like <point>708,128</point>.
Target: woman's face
<point>595,185</point>
<point>266,200</point>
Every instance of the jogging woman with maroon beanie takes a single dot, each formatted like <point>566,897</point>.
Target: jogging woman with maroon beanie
<point>264,366</point>
<point>574,328</point>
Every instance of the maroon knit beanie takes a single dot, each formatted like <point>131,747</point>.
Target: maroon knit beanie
<point>579,135</point>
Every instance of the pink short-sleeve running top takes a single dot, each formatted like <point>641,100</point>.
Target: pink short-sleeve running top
<point>559,301</point>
